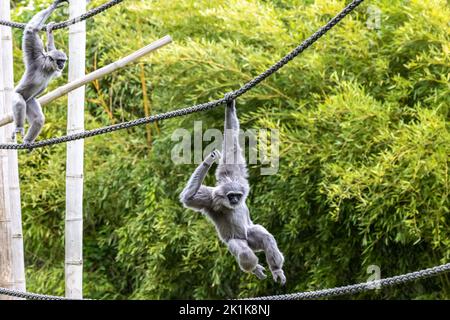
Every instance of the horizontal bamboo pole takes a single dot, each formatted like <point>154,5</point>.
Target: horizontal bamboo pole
<point>99,73</point>
<point>6,119</point>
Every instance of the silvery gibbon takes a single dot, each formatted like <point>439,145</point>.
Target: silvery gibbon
<point>225,205</point>
<point>40,67</point>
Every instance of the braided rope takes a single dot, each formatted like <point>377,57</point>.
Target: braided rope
<point>360,287</point>
<point>338,291</point>
<point>67,23</point>
<point>200,107</point>
<point>28,295</point>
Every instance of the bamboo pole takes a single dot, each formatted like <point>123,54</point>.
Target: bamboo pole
<point>18,264</point>
<point>6,274</point>
<point>75,154</point>
<point>63,90</point>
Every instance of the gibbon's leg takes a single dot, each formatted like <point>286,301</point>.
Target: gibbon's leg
<point>36,120</point>
<point>246,258</point>
<point>232,163</point>
<point>19,108</point>
<point>260,239</point>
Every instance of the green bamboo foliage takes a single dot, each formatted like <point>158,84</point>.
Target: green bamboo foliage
<point>363,179</point>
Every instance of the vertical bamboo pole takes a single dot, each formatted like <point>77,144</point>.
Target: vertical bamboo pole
<point>18,264</point>
<point>6,275</point>
<point>75,154</point>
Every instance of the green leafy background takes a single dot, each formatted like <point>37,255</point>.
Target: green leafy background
<point>363,120</point>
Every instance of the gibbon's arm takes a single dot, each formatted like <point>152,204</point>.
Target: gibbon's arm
<point>50,38</point>
<point>196,195</point>
<point>32,45</point>
<point>232,163</point>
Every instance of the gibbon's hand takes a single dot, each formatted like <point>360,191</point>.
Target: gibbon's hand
<point>50,26</point>
<point>214,156</point>
<point>58,3</point>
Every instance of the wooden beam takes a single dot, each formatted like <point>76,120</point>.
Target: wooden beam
<point>18,263</point>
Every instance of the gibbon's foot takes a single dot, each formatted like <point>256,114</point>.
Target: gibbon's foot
<point>259,272</point>
<point>17,130</point>
<point>278,276</point>
<point>28,142</point>
<point>214,156</point>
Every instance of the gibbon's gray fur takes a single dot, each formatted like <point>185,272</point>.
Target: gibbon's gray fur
<point>40,67</point>
<point>225,205</point>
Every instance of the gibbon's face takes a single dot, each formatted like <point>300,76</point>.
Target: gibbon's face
<point>231,195</point>
<point>57,60</point>
<point>234,197</point>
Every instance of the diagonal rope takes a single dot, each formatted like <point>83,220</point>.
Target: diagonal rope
<point>70,22</point>
<point>361,287</point>
<point>200,107</point>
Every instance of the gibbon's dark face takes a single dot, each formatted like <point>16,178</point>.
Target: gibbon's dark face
<point>57,59</point>
<point>234,197</point>
<point>231,194</point>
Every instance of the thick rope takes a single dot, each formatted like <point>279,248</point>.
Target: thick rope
<point>67,23</point>
<point>361,287</point>
<point>28,295</point>
<point>200,107</point>
<point>338,291</point>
